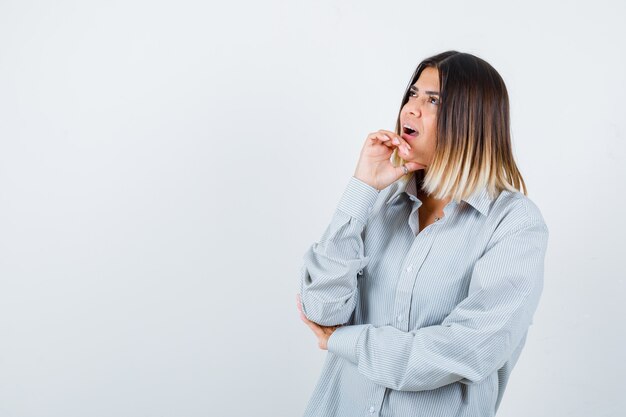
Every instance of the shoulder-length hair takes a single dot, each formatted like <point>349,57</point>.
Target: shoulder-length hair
<point>473,147</point>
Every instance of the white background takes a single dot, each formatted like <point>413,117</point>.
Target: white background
<point>165,164</point>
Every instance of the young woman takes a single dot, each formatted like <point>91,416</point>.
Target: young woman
<point>423,286</point>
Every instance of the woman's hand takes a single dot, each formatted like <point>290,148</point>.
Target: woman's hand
<point>374,167</point>
<point>322,332</point>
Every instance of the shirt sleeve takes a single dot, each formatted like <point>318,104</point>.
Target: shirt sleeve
<point>475,339</point>
<point>328,276</point>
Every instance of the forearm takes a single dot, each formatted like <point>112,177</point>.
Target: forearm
<point>328,277</point>
<point>475,339</point>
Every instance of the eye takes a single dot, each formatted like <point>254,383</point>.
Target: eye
<point>434,98</point>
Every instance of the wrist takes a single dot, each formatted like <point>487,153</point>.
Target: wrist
<point>365,180</point>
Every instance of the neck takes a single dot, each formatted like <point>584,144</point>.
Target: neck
<point>432,203</point>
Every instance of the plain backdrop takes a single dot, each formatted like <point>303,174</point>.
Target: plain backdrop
<point>164,165</point>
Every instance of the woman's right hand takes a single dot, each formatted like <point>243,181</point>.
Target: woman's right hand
<point>374,167</point>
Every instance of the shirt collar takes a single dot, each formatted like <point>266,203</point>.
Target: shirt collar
<point>480,200</point>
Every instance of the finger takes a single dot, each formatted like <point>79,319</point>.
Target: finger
<point>381,138</point>
<point>395,142</point>
<point>386,141</point>
<point>304,318</point>
<point>378,135</point>
<point>411,166</point>
<point>299,306</point>
<point>302,315</point>
<point>314,326</point>
<point>396,137</point>
<point>316,329</point>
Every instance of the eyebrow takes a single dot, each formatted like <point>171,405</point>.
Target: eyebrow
<point>427,92</point>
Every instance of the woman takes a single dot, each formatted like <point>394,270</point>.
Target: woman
<point>423,286</point>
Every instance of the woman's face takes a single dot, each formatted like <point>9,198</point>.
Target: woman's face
<point>419,114</point>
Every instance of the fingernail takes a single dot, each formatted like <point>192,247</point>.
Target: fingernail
<point>396,141</point>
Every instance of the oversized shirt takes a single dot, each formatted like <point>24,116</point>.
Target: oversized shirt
<point>432,322</point>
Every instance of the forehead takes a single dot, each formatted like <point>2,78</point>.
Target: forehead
<point>428,79</point>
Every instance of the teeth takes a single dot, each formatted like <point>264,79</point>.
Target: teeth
<point>409,127</point>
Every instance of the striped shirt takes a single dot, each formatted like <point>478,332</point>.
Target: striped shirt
<point>433,321</point>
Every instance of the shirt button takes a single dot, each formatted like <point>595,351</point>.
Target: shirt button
<point>372,409</point>
<point>410,268</point>
<point>400,317</point>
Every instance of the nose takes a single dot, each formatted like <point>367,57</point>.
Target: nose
<point>414,108</point>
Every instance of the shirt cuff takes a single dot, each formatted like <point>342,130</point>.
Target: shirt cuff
<point>343,341</point>
<point>358,199</point>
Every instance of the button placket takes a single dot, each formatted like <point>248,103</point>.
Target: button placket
<point>415,257</point>
<point>377,401</point>
<point>403,297</point>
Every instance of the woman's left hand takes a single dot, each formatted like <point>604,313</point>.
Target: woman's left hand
<point>322,332</point>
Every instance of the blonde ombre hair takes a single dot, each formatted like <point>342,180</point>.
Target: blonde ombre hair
<point>473,147</point>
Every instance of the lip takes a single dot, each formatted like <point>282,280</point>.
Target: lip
<point>411,125</point>
<point>407,137</point>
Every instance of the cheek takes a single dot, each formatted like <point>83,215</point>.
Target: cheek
<point>430,133</point>
<point>431,123</point>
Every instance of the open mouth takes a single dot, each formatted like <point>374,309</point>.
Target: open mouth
<point>409,130</point>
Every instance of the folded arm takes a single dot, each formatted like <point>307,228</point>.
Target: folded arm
<point>328,277</point>
<point>474,340</point>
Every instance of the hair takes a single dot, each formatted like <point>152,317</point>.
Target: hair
<point>473,148</point>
